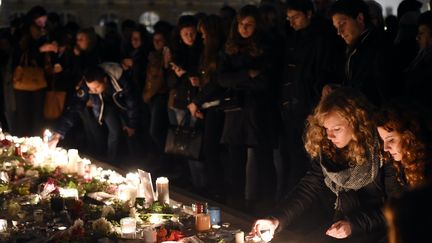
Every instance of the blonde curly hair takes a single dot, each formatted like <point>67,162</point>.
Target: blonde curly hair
<point>353,106</point>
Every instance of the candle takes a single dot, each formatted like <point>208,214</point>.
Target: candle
<point>69,193</point>
<point>47,135</point>
<point>162,189</point>
<point>149,235</point>
<point>73,159</point>
<point>128,227</point>
<point>127,193</point>
<point>202,222</point>
<point>3,225</point>
<point>82,166</point>
<point>214,215</point>
<point>239,237</point>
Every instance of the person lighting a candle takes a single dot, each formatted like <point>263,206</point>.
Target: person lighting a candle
<point>347,177</point>
<point>109,94</point>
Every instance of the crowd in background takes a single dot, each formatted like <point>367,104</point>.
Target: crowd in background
<point>248,80</point>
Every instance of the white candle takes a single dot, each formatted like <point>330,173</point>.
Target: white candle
<point>149,235</point>
<point>128,227</point>
<point>69,193</point>
<point>47,135</point>
<point>162,189</point>
<point>3,225</point>
<point>239,237</point>
<point>73,159</point>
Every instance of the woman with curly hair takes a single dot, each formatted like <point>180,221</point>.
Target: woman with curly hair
<point>406,135</point>
<point>347,168</point>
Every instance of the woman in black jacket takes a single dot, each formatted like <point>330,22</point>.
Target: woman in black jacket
<point>243,70</point>
<point>346,161</point>
<point>202,106</point>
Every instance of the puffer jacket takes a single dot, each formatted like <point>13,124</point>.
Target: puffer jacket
<point>118,93</point>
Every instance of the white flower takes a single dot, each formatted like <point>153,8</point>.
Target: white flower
<point>102,226</point>
<point>107,210</point>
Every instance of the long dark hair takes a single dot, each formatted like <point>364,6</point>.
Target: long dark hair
<point>236,43</point>
<point>212,26</point>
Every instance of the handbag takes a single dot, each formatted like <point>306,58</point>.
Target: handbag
<point>28,77</point>
<point>54,100</point>
<point>54,104</point>
<point>184,141</point>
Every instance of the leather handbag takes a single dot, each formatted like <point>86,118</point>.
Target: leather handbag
<point>54,99</point>
<point>28,77</point>
<point>54,104</point>
<point>184,141</point>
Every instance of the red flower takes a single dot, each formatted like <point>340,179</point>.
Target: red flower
<point>6,143</point>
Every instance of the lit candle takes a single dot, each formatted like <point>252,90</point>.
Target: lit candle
<point>73,159</point>
<point>155,219</point>
<point>3,225</point>
<point>128,227</point>
<point>162,189</point>
<point>202,222</point>
<point>47,135</point>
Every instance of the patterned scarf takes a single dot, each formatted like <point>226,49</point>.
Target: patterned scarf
<point>353,178</point>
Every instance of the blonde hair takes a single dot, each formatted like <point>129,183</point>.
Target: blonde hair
<point>351,105</point>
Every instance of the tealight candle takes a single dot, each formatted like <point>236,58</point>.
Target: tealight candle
<point>162,189</point>
<point>128,227</point>
<point>3,225</point>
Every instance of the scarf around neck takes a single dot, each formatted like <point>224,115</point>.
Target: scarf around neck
<point>353,178</point>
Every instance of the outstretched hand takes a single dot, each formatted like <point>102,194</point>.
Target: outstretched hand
<point>340,230</point>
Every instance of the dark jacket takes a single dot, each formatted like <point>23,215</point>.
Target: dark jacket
<point>313,58</point>
<point>418,78</point>
<point>249,123</point>
<point>187,58</point>
<point>362,208</point>
<point>118,93</point>
<point>369,67</point>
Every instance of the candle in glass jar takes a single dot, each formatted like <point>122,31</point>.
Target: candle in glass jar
<point>47,135</point>
<point>3,225</point>
<point>202,222</point>
<point>162,189</point>
<point>149,235</point>
<point>128,227</point>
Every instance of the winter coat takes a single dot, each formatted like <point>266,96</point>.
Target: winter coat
<point>362,207</point>
<point>249,123</point>
<point>118,93</point>
<point>313,58</point>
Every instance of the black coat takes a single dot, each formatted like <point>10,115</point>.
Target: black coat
<point>188,59</point>
<point>370,68</point>
<point>314,57</point>
<point>362,208</point>
<point>249,124</point>
<point>418,78</point>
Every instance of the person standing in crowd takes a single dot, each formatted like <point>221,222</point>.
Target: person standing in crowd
<point>244,71</point>
<point>419,73</point>
<point>186,53</point>
<point>313,57</point>
<point>108,92</point>
<point>347,169</point>
<point>369,63</point>
<point>407,138</point>
<point>155,93</point>
<point>213,37</point>
<point>29,52</point>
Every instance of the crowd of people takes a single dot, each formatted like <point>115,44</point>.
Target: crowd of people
<point>315,104</point>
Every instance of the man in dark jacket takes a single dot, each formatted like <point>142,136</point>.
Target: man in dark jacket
<point>313,57</point>
<point>369,64</point>
<point>107,91</point>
